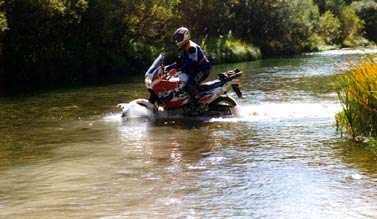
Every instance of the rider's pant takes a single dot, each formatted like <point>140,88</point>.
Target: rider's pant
<point>194,82</point>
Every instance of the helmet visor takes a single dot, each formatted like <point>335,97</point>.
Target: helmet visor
<point>178,37</point>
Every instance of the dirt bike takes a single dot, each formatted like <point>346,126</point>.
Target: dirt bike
<point>168,96</point>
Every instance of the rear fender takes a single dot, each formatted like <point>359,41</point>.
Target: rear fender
<point>211,95</point>
<point>225,100</point>
<point>224,104</point>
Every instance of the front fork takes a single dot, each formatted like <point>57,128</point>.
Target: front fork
<point>153,98</point>
<point>236,89</point>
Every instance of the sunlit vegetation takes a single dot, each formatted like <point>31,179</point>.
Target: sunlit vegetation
<point>329,28</point>
<point>3,29</point>
<point>367,11</point>
<point>228,49</point>
<point>3,20</point>
<point>358,94</point>
<point>47,43</point>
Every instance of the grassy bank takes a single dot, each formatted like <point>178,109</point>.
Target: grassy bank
<point>357,91</point>
<point>229,50</point>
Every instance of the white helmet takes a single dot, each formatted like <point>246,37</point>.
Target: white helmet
<point>181,36</point>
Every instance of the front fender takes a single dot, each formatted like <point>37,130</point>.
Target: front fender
<point>139,108</point>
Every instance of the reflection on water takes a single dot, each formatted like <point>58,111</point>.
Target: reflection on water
<point>72,156</point>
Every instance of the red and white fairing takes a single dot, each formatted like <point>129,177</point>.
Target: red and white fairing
<point>168,86</point>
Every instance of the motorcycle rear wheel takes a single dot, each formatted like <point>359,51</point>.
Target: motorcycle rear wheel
<point>222,106</point>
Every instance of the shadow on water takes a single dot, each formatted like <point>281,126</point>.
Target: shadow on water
<point>181,123</point>
<point>357,156</point>
<point>34,144</point>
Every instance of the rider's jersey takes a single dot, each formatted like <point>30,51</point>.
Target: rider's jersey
<point>194,61</point>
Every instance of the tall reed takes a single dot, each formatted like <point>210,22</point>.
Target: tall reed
<point>357,91</point>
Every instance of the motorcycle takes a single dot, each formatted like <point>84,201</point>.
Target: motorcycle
<point>168,96</point>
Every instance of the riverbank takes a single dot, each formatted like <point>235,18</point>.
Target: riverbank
<point>220,51</point>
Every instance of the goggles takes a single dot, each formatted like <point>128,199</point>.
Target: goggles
<point>178,37</point>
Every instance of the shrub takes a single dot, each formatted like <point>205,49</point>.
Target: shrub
<point>357,92</point>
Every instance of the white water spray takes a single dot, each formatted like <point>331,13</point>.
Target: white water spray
<point>133,110</point>
<point>274,111</point>
<point>337,52</point>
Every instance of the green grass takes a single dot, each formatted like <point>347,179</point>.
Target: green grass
<point>229,49</point>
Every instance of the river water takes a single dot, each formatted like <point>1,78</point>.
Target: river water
<point>67,153</point>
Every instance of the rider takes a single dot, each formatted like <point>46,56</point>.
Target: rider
<point>191,60</point>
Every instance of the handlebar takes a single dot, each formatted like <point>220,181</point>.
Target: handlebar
<point>230,75</point>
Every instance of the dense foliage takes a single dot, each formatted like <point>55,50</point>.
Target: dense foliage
<point>3,28</point>
<point>358,95</point>
<point>44,43</point>
<point>329,28</point>
<point>367,11</point>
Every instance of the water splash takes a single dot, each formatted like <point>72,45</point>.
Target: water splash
<point>113,117</point>
<point>281,111</point>
<point>135,110</point>
<point>252,113</point>
<point>337,52</point>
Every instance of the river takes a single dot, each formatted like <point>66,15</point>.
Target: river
<point>67,153</point>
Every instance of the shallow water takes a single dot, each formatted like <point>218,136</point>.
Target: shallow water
<point>67,154</point>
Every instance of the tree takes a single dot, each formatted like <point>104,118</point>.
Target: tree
<point>3,29</point>
<point>277,26</point>
<point>36,41</point>
<point>54,42</point>
<point>367,11</point>
<point>352,26</point>
<point>329,28</point>
<point>206,18</point>
<point>65,41</point>
<point>3,26</point>
<point>334,6</point>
